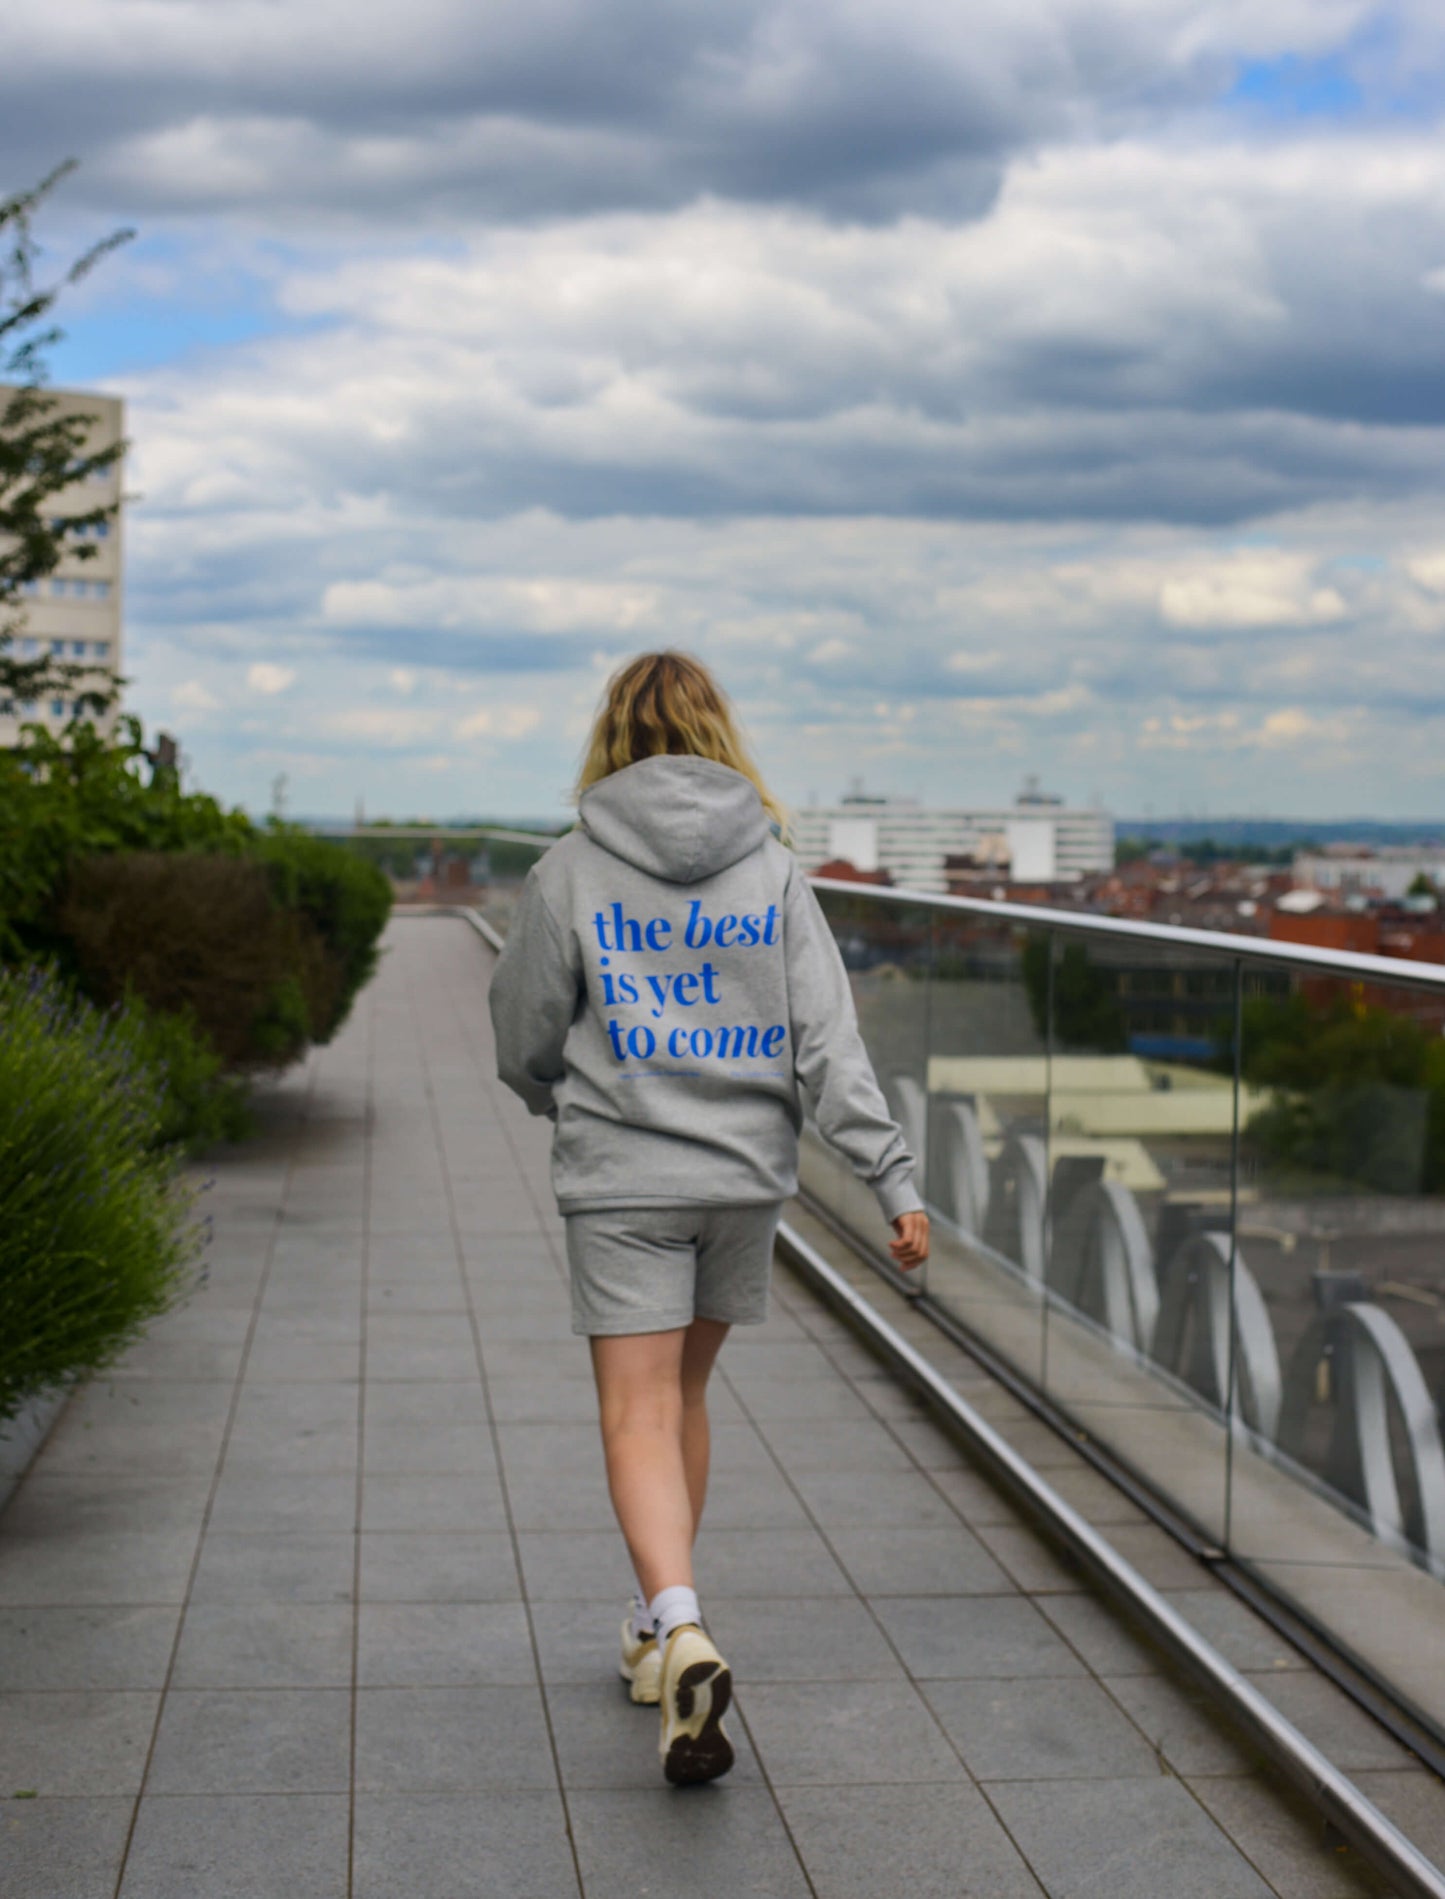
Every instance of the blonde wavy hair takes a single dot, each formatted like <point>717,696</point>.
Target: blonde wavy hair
<point>668,703</point>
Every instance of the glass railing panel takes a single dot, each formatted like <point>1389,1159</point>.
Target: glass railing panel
<point>986,1172</point>
<point>886,949</point>
<point>1141,1113</point>
<point>1342,1229</point>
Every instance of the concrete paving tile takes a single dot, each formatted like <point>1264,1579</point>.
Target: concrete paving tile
<point>941,1637</point>
<point>936,1842</point>
<point>823,1638</point>
<point>782,1360</point>
<point>1122,1839</point>
<point>251,1500</point>
<point>75,1743</point>
<point>753,1499</point>
<point>841,1444</point>
<point>258,1567</point>
<point>159,1425</point>
<point>766,1397</point>
<point>581,1566</point>
<point>549,1446</point>
<point>266,1444</point>
<point>1035,1564</point>
<point>404,1449</point>
<point>450,1740</point>
<point>811,1733</point>
<point>1182,1725</point>
<point>549,1323</point>
<point>332,1327</point>
<point>97,1567</point>
<point>904,1560</point>
<point>438,1846</point>
<point>773,1563</point>
<point>237,1740</point>
<point>693,1843</point>
<point>464,1566</point>
<point>444,1645</point>
<point>238,1847</point>
<point>527,1358</point>
<point>432,1501</point>
<point>273,1360</point>
<point>974,1498</point>
<point>159,1357</point>
<point>928,1446</point>
<point>1109,1641</point>
<point>1286,1840</point>
<point>93,1647</point>
<point>265,1645</point>
<point>604,1739</point>
<point>417,1295</point>
<point>844,1500</point>
<point>88,1503</point>
<point>63,1848</point>
<point>547,1498</point>
<point>1337,1725</point>
<point>1041,1730</point>
<point>532,1401</point>
<point>391,1357</point>
<point>578,1641</point>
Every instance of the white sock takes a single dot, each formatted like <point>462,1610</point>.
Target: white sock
<point>642,1623</point>
<point>672,1607</point>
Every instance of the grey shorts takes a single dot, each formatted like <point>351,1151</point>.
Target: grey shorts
<point>653,1269</point>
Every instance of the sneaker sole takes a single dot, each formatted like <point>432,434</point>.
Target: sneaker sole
<point>699,1750</point>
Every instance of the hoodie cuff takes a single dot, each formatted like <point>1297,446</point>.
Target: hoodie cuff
<point>897,1193</point>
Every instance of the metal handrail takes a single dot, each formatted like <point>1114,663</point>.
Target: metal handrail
<point>1222,943</point>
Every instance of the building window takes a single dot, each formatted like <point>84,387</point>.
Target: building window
<point>100,649</point>
<point>77,648</point>
<point>29,648</point>
<point>101,530</point>
<point>57,649</point>
<point>57,708</point>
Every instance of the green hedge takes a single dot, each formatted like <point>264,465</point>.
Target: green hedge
<point>258,937</point>
<point>98,1231</point>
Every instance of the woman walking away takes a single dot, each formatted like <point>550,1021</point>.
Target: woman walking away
<point>668,987</point>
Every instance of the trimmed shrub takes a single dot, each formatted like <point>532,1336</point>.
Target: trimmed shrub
<point>97,1225</point>
<point>345,900</point>
<point>189,931</point>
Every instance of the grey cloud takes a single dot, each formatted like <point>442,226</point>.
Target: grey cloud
<point>525,110</point>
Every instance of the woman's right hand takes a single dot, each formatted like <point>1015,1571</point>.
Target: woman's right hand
<point>910,1249</point>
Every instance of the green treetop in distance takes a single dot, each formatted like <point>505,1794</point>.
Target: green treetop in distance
<point>43,452</point>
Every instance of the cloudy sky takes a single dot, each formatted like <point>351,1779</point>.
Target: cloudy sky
<point>1049,386</point>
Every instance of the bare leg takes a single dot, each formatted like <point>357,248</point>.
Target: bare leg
<point>701,1344</point>
<point>651,1394</point>
<point>639,1395</point>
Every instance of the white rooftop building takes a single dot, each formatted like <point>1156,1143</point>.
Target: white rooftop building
<point>75,615</point>
<point>1046,841</point>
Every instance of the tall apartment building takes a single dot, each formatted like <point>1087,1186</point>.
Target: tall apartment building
<point>75,615</point>
<point>1046,842</point>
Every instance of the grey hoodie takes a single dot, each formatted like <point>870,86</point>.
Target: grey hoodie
<point>668,982</point>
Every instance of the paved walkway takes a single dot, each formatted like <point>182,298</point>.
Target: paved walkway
<point>213,1687</point>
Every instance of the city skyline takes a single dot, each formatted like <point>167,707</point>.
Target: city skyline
<point>1067,400</point>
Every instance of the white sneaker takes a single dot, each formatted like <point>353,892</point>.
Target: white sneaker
<point>697,1686</point>
<point>641,1664</point>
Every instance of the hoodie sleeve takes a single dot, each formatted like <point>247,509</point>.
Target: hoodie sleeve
<point>830,1058</point>
<point>533,1000</point>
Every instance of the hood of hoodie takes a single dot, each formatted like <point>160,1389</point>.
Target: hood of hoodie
<point>681,819</point>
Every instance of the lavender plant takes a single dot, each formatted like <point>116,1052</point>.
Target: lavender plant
<point>99,1231</point>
